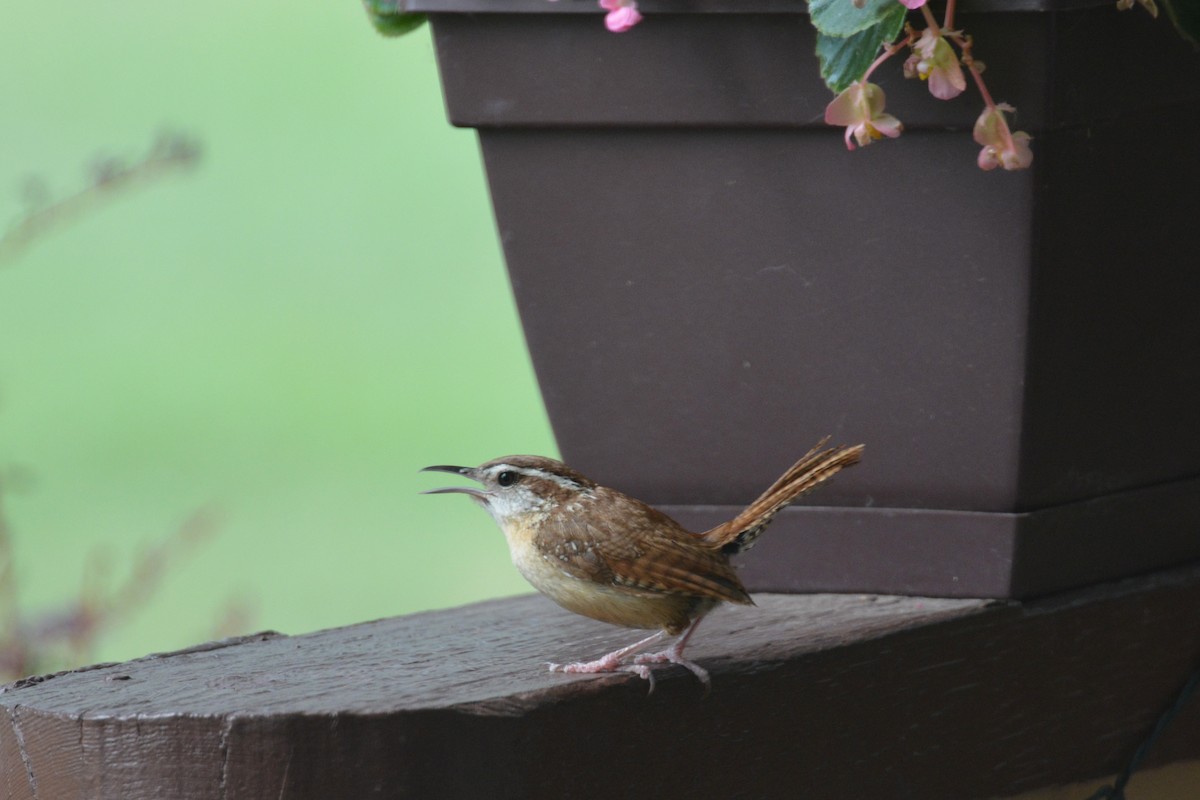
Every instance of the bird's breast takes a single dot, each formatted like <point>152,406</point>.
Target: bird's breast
<point>617,605</point>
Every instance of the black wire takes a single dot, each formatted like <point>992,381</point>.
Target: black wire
<point>1116,790</point>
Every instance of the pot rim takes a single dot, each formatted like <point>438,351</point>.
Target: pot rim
<point>706,6</point>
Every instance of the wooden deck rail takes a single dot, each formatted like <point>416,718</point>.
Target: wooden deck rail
<point>821,696</point>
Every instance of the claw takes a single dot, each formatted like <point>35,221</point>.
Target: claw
<point>672,656</point>
<point>642,671</point>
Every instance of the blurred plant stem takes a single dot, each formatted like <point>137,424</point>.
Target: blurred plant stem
<point>109,177</point>
<point>66,636</point>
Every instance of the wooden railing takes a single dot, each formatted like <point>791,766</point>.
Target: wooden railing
<point>822,696</point>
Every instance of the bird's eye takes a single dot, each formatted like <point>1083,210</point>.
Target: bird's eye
<point>507,478</point>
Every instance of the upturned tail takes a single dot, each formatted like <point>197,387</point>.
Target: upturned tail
<point>816,467</point>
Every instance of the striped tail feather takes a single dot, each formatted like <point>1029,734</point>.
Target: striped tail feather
<point>817,466</point>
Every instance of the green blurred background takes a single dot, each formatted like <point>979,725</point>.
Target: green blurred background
<point>286,333</point>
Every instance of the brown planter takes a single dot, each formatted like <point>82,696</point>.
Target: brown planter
<point>709,283</point>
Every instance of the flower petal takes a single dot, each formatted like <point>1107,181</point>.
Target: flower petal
<point>888,125</point>
<point>948,83</point>
<point>874,98</point>
<point>946,78</point>
<point>622,14</point>
<point>844,109</point>
<point>622,19</point>
<point>1020,156</point>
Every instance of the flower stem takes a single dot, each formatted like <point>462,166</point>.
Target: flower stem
<point>930,20</point>
<point>969,62</point>
<point>948,24</point>
<point>889,50</point>
<point>983,90</point>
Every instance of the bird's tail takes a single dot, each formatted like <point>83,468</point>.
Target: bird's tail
<point>816,467</point>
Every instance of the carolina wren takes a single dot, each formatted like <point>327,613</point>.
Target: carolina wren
<point>605,555</point>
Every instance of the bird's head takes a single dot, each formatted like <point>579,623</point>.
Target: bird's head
<point>515,486</point>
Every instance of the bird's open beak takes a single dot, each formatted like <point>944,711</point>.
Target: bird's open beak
<point>468,472</point>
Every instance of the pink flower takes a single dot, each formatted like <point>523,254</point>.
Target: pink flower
<point>911,4</point>
<point>933,59</point>
<point>860,109</point>
<point>622,14</point>
<point>1149,5</point>
<point>1001,148</point>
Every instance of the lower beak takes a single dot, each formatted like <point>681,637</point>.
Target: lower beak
<point>467,490</point>
<point>468,472</point>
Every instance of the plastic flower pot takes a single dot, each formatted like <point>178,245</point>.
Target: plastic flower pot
<point>709,283</point>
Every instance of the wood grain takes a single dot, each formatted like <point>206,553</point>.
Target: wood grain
<point>814,696</point>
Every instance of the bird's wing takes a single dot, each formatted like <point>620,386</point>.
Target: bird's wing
<point>647,552</point>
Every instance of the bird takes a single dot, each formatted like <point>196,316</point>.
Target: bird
<point>600,553</point>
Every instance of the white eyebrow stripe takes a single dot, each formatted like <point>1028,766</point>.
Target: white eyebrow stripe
<point>532,472</point>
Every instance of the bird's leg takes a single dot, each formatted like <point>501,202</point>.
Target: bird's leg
<point>674,654</point>
<point>607,663</point>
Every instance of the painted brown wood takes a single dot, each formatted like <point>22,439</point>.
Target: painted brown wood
<point>814,696</point>
<point>705,275</point>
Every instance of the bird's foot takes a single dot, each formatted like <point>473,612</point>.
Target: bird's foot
<point>613,662</point>
<point>673,656</point>
<point>608,663</point>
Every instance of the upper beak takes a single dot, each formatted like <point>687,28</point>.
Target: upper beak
<point>465,471</point>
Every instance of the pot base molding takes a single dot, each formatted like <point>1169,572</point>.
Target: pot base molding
<point>949,553</point>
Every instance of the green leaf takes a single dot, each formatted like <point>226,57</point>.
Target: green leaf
<point>840,17</point>
<point>389,20</point>
<point>1185,15</point>
<point>844,59</point>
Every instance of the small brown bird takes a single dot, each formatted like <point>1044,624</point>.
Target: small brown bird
<point>605,555</point>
